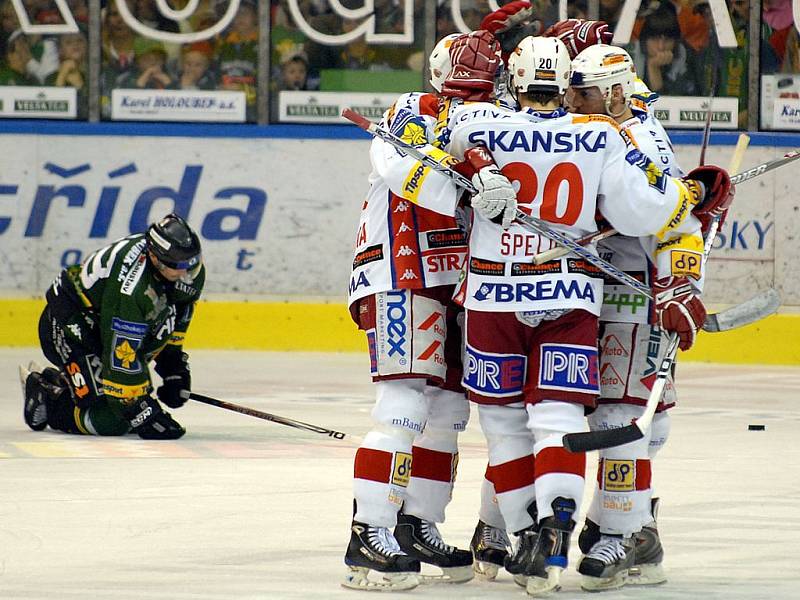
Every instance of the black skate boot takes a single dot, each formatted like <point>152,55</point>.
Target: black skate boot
<point>552,547</point>
<point>589,536</point>
<point>35,396</point>
<point>520,563</point>
<point>421,539</point>
<point>375,549</point>
<point>647,568</point>
<point>606,565</point>
<point>490,547</point>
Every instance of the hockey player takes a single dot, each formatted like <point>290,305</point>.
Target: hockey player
<point>406,264</point>
<point>531,331</point>
<point>617,548</point>
<point>510,24</point>
<point>128,303</point>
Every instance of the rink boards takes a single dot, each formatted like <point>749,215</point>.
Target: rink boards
<point>277,215</point>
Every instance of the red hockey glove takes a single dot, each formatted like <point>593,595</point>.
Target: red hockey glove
<point>476,59</point>
<point>679,309</point>
<point>579,34</point>
<point>719,193</point>
<point>511,23</point>
<point>495,199</point>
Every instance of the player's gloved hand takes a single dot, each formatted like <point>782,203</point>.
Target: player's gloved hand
<point>511,23</point>
<point>177,380</point>
<point>679,309</point>
<point>476,59</point>
<point>717,194</point>
<point>151,422</point>
<point>579,34</point>
<point>496,196</point>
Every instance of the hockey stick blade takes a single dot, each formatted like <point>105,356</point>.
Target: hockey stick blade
<point>759,307</point>
<point>606,438</point>
<point>337,435</point>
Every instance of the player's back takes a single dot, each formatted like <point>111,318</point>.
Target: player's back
<point>557,160</point>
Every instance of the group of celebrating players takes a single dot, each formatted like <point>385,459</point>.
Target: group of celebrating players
<point>455,308</point>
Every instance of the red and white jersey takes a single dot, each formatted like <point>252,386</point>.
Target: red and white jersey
<point>400,244</point>
<point>646,257</point>
<point>566,167</point>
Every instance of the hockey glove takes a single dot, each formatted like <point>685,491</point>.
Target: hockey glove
<point>511,23</point>
<point>150,422</point>
<point>177,380</point>
<point>496,196</point>
<point>679,309</point>
<point>476,60</point>
<point>718,194</point>
<point>579,34</point>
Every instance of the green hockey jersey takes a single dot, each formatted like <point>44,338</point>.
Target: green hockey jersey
<point>136,311</point>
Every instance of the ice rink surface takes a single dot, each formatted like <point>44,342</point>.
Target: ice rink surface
<point>243,508</point>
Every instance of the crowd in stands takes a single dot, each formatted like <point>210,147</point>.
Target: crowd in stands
<point>672,45</point>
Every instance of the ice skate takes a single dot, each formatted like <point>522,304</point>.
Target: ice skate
<point>375,549</point>
<point>520,562</point>
<point>35,398</point>
<point>606,565</point>
<point>490,547</point>
<point>589,536</point>
<point>420,539</point>
<point>552,547</point>
<point>647,567</point>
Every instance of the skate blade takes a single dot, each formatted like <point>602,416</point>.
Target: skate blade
<point>486,570</point>
<point>539,586</point>
<point>23,377</point>
<point>357,578</point>
<point>449,575</point>
<point>647,574</point>
<point>601,584</point>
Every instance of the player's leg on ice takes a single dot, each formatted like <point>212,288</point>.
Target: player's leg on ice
<point>490,544</point>
<point>622,471</point>
<point>381,474</point>
<point>559,489</point>
<point>647,568</point>
<point>407,331</point>
<point>434,467</point>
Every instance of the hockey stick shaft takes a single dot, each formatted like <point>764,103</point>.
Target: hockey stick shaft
<point>584,442</point>
<point>252,412</point>
<point>531,223</point>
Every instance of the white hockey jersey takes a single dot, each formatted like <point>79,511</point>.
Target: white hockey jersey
<point>645,257</point>
<point>400,244</point>
<point>566,167</point>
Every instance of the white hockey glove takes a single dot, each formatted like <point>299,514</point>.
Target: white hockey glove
<point>495,196</point>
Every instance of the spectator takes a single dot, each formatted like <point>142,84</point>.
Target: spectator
<point>661,59</point>
<point>17,54</point>
<point>80,10</point>
<point>195,73</point>
<point>777,23</point>
<point>293,72</point>
<point>237,54</point>
<point>9,22</point>
<point>149,71</point>
<point>117,39</point>
<point>610,11</point>
<point>72,68</point>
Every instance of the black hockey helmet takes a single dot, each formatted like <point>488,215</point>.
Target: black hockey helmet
<point>173,243</point>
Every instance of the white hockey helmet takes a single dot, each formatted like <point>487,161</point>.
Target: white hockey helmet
<point>539,64</point>
<point>604,66</point>
<point>439,60</point>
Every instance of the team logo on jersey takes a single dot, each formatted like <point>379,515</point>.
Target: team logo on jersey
<point>569,368</point>
<point>490,374</point>
<point>686,264</point>
<point>125,357</point>
<point>401,469</point>
<point>655,177</point>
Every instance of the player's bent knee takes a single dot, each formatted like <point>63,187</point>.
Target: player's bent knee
<point>401,407</point>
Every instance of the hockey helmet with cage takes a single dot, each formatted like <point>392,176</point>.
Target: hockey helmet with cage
<point>539,64</point>
<point>174,244</point>
<point>439,61</point>
<point>604,66</point>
